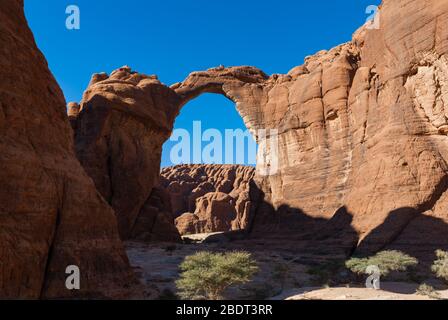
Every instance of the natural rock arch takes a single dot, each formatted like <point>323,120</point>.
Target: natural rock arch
<point>241,85</point>
<point>352,130</point>
<point>125,118</point>
<point>354,117</point>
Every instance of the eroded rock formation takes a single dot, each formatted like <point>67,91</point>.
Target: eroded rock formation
<point>51,215</point>
<point>211,198</point>
<point>360,127</point>
<point>72,113</point>
<point>356,147</point>
<point>155,221</point>
<point>356,137</point>
<point>123,121</point>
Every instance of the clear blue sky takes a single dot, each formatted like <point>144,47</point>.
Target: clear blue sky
<point>173,38</point>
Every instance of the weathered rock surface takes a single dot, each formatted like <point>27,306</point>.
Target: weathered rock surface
<point>155,221</point>
<point>356,140</point>
<point>51,216</point>
<point>73,112</point>
<point>122,124</point>
<point>361,127</point>
<point>356,148</point>
<point>211,198</point>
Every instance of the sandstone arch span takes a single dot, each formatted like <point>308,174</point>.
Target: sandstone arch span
<point>125,117</point>
<point>242,85</point>
<point>363,127</point>
<point>355,128</point>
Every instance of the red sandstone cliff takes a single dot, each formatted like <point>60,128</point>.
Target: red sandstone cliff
<point>51,215</point>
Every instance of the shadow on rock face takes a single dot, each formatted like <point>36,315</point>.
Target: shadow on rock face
<point>410,230</point>
<point>295,230</point>
<point>415,231</point>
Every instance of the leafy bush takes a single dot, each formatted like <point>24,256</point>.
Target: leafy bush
<point>440,266</point>
<point>207,275</point>
<point>386,261</point>
<point>427,290</point>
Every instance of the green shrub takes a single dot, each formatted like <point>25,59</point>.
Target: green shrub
<point>207,275</point>
<point>427,290</point>
<point>440,266</point>
<point>386,261</point>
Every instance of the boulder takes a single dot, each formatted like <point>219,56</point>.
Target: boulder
<point>214,213</point>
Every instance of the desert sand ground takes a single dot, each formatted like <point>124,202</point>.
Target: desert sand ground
<point>282,276</point>
<point>390,291</point>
